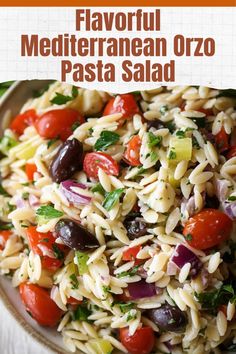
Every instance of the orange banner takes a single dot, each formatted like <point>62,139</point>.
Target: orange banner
<point>118,3</point>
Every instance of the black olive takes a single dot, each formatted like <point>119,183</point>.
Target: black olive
<point>168,318</point>
<point>135,227</point>
<point>212,202</point>
<point>157,124</point>
<point>75,236</point>
<point>67,161</point>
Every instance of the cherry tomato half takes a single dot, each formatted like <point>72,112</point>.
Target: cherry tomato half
<point>44,245</point>
<point>132,152</point>
<point>4,236</point>
<point>222,140</point>
<point>95,160</point>
<point>131,253</point>
<point>23,120</point>
<point>72,301</point>
<point>207,229</point>
<point>141,342</point>
<point>124,104</point>
<point>232,152</point>
<point>58,123</point>
<point>30,169</point>
<point>41,307</point>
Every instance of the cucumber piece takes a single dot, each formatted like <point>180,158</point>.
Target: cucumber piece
<point>180,149</point>
<point>101,346</point>
<point>81,260</point>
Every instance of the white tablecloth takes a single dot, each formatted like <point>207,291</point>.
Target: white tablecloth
<point>13,339</point>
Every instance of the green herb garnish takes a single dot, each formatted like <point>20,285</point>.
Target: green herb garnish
<point>47,212</point>
<point>75,126</point>
<point>213,299</point>
<point>164,109</point>
<point>112,198</point>
<point>57,252</point>
<point>6,226</point>
<point>4,86</point>
<point>81,314</point>
<point>60,99</point>
<point>25,195</point>
<point>99,189</point>
<point>129,273</point>
<point>232,198</point>
<point>172,155</point>
<point>154,140</point>
<point>74,281</point>
<point>180,134</point>
<point>106,139</point>
<point>3,191</point>
<point>52,141</point>
<point>188,237</point>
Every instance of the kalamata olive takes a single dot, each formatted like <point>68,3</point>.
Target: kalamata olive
<point>135,227</point>
<point>168,318</point>
<point>157,124</point>
<point>67,161</point>
<point>212,202</point>
<point>75,235</point>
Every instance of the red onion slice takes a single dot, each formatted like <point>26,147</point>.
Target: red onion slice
<point>230,209</point>
<point>73,197</point>
<point>183,255</point>
<point>141,289</point>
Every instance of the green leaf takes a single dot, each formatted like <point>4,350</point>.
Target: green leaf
<point>52,141</point>
<point>75,126</point>
<point>213,299</point>
<point>106,139</point>
<point>82,259</point>
<point>232,198</point>
<point>60,99</point>
<point>74,281</point>
<point>99,189</point>
<point>46,213</point>
<point>129,273</point>
<point>6,225</point>
<point>124,306</point>
<point>4,86</point>
<point>3,191</point>
<point>188,237</point>
<point>112,198</point>
<point>164,109</point>
<point>153,156</point>
<point>81,314</point>
<point>74,91</point>
<point>180,134</point>
<point>58,253</point>
<point>172,155</point>
<point>154,140</point>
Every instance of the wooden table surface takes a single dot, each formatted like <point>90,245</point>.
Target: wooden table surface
<point>13,339</point>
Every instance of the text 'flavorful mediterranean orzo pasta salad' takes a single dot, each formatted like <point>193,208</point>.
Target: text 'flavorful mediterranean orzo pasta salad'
<point>117,217</point>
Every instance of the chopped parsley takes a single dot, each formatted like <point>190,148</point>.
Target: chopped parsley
<point>106,289</point>
<point>153,156</point>
<point>195,143</point>
<point>188,237</point>
<point>60,99</point>
<point>57,252</point>
<point>81,314</point>
<point>6,225</point>
<point>180,134</point>
<point>172,155</point>
<point>3,191</point>
<point>129,273</point>
<point>154,140</point>
<point>99,189</point>
<point>52,141</point>
<point>75,126</point>
<point>232,198</point>
<point>46,213</point>
<point>74,281</point>
<point>124,306</point>
<point>213,299</point>
<point>171,126</point>
<point>130,317</point>
<point>164,109</point>
<point>112,198</point>
<point>106,139</point>
<point>25,195</point>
